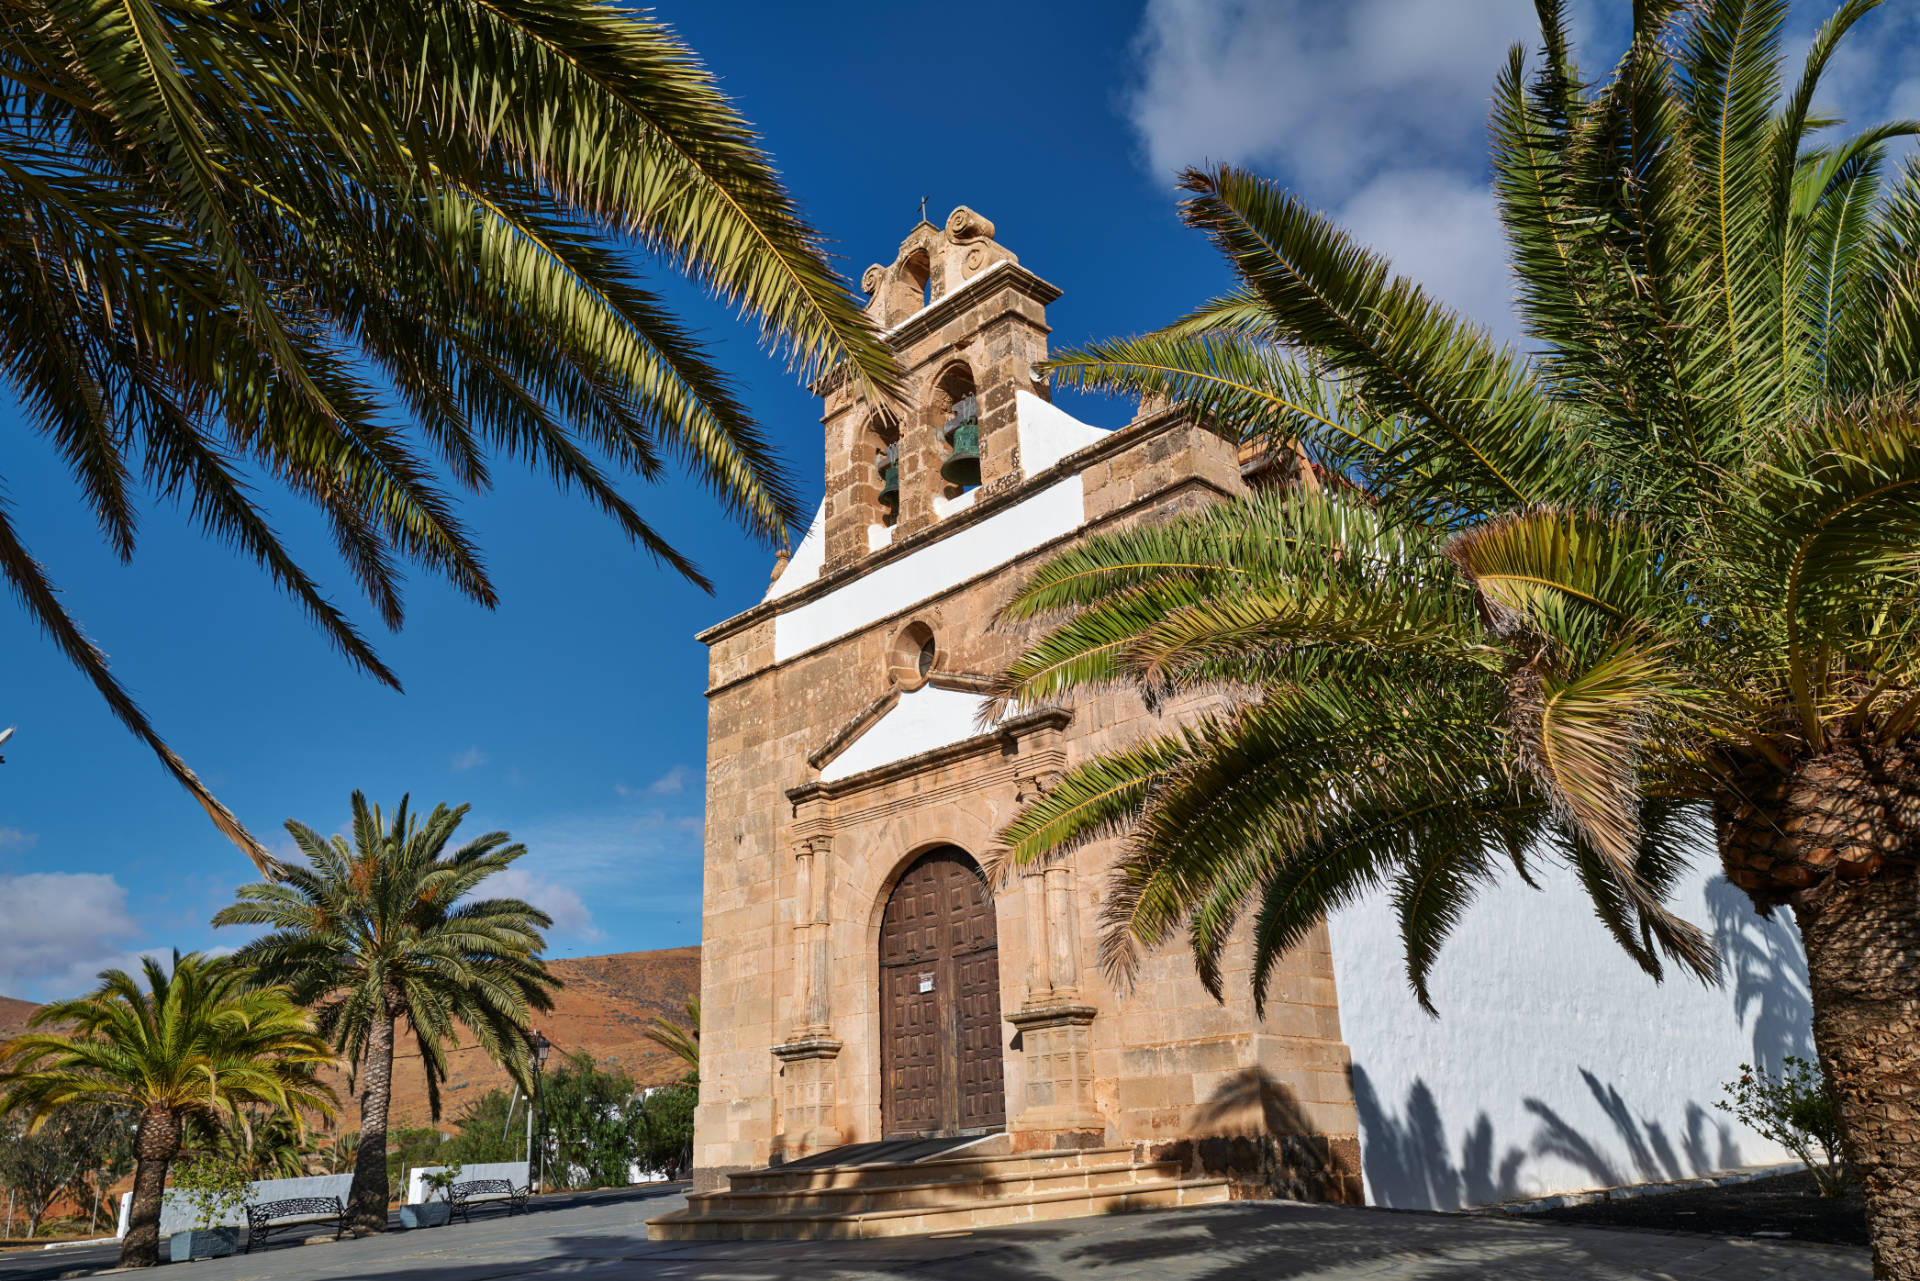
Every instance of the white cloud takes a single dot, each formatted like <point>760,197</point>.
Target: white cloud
<point>12,838</point>
<point>671,783</point>
<point>60,929</point>
<point>1326,96</point>
<point>569,912</point>
<point>1443,231</point>
<point>1375,110</point>
<point>472,758</point>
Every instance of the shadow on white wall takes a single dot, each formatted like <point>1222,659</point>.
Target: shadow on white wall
<point>1556,1065</point>
<point>1411,1163</point>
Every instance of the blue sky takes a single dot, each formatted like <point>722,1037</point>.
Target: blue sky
<point>572,716</point>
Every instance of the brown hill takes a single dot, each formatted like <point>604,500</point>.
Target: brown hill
<point>13,1016</point>
<point>605,1009</point>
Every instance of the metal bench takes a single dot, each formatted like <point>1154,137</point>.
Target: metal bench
<point>463,1195</point>
<point>269,1217</point>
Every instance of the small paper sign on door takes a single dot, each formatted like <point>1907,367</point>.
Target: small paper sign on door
<point>926,982</point>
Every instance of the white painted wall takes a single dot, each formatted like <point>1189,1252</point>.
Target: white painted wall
<point>1056,510</point>
<point>177,1214</point>
<point>922,720</point>
<point>1556,1064</point>
<point>808,559</point>
<point>514,1172</point>
<point>1047,434</point>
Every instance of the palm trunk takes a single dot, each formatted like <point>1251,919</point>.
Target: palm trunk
<point>1836,837</point>
<point>155,1146</point>
<point>1863,960</point>
<point>367,1202</point>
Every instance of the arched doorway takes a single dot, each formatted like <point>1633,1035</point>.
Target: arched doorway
<point>940,1068</point>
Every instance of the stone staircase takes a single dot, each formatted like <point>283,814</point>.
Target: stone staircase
<point>981,1186</point>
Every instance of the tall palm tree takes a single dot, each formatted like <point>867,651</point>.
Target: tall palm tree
<point>384,929</point>
<point>1657,574</point>
<point>357,247</point>
<point>195,1045</point>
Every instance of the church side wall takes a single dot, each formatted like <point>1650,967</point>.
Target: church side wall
<point>1556,1064</point>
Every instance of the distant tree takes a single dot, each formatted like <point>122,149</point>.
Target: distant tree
<point>586,1139</point>
<point>341,1154</point>
<point>108,1151</point>
<point>197,1043</point>
<point>662,1129</point>
<point>683,1040</point>
<point>413,1146</point>
<point>485,1133</point>
<point>39,1168</point>
<point>383,929</point>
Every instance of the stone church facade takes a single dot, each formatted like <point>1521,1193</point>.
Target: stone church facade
<point>862,979</point>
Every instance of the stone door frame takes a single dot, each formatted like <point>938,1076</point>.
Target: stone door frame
<point>855,837</point>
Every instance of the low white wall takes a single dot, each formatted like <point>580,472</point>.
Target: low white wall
<point>514,1172</point>
<point>1556,1064</point>
<point>178,1215</point>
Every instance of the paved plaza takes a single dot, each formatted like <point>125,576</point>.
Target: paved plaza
<point>602,1236</point>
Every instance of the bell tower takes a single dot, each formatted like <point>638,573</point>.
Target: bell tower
<point>968,324</point>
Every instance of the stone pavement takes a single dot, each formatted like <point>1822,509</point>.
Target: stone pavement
<point>602,1237</point>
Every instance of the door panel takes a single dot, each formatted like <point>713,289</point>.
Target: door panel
<point>941,1070</point>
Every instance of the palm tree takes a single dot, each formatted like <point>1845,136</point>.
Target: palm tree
<point>264,1144</point>
<point>192,1046</point>
<point>358,246</point>
<point>682,1040</point>
<point>1654,575</point>
<point>383,929</point>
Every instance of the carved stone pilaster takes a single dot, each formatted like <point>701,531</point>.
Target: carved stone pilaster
<point>1056,1039</point>
<point>809,1096</point>
<point>812,918</point>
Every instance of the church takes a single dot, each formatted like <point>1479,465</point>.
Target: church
<point>892,1043</point>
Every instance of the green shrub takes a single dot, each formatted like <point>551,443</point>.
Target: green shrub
<point>212,1185</point>
<point>1794,1109</point>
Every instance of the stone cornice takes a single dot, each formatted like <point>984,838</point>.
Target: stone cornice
<point>938,312</point>
<point>945,308</point>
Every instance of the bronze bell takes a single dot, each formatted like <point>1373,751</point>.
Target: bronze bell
<point>888,462</point>
<point>963,438</point>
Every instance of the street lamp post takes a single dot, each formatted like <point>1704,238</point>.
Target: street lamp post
<point>541,1047</point>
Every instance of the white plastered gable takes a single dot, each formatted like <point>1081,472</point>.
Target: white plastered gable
<point>919,721</point>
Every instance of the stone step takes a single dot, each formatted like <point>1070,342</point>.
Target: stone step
<point>937,1168</point>
<point>861,1198</point>
<point>1165,1194</point>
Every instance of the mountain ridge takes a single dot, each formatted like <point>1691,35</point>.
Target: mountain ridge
<point>605,1007</point>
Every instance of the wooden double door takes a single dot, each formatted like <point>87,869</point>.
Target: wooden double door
<point>940,1032</point>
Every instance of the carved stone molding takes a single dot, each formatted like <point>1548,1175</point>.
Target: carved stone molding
<point>798,1048</point>
<point>964,225</point>
<point>1052,1014</point>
